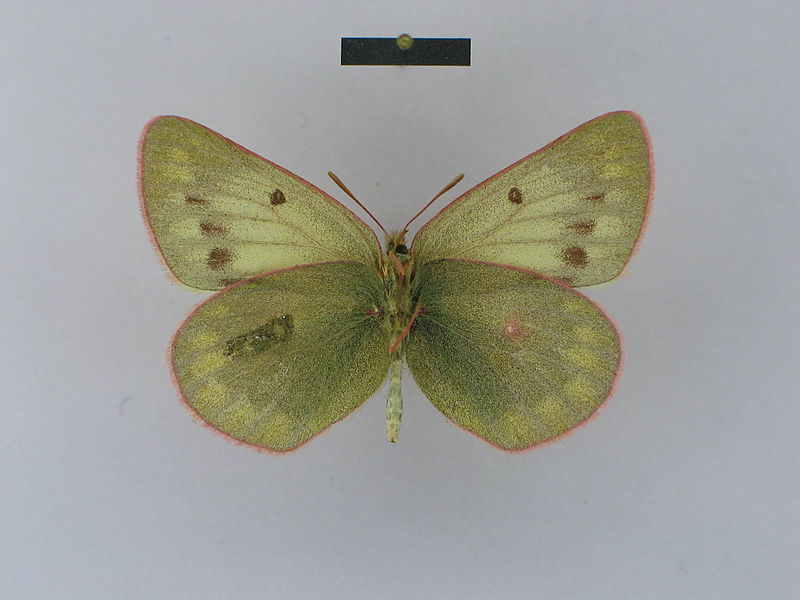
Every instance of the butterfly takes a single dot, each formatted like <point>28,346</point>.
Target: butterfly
<point>311,314</point>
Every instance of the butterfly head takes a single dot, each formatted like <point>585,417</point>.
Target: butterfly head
<point>396,245</point>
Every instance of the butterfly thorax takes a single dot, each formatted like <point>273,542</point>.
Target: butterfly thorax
<point>397,270</point>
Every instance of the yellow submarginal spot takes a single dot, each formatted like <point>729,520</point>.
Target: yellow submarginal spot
<point>214,310</point>
<point>582,357</point>
<point>202,340</point>
<point>204,364</point>
<point>550,412</point>
<point>175,155</point>
<point>615,153</point>
<point>515,426</point>
<point>614,171</point>
<point>572,305</point>
<point>280,429</point>
<point>237,418</point>
<point>209,397</point>
<point>581,395</point>
<point>586,333</point>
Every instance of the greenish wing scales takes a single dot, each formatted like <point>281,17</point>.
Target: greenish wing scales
<point>573,210</point>
<point>277,359</point>
<point>220,214</point>
<point>508,354</point>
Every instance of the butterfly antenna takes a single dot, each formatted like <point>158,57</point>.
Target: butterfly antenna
<point>339,182</point>
<point>446,188</point>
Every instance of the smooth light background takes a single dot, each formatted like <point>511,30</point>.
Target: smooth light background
<point>684,486</point>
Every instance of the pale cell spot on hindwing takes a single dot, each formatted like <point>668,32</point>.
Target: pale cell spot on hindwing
<point>584,227</point>
<point>575,256</point>
<point>514,328</point>
<point>515,196</point>
<point>277,197</point>
<point>218,258</point>
<point>209,229</point>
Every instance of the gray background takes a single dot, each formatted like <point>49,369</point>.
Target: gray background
<point>685,486</point>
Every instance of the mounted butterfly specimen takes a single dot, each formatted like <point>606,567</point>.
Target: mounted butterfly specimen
<point>312,314</point>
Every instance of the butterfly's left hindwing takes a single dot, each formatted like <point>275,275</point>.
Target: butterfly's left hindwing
<point>219,213</point>
<point>507,354</point>
<point>275,360</point>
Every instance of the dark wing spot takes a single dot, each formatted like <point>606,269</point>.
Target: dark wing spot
<point>515,196</point>
<point>194,200</point>
<point>575,256</point>
<point>596,198</point>
<point>209,229</point>
<point>218,258</point>
<point>583,227</point>
<point>277,197</point>
<point>261,338</point>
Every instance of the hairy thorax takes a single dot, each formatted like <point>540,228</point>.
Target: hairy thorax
<point>397,278</point>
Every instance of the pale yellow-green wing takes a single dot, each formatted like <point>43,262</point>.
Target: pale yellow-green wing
<point>514,357</point>
<point>572,210</point>
<point>276,359</point>
<point>220,213</point>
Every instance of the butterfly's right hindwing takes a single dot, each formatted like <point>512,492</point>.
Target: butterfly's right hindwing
<point>275,360</point>
<point>507,354</point>
<point>219,213</point>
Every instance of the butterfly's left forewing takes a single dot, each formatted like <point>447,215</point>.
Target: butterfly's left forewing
<point>220,213</point>
<point>507,354</point>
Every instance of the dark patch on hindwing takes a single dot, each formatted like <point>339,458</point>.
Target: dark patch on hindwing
<point>277,197</point>
<point>515,196</point>
<point>194,200</point>
<point>261,339</point>
<point>596,198</point>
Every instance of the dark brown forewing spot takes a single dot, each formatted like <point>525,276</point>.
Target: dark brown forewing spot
<point>209,229</point>
<point>596,198</point>
<point>583,227</point>
<point>575,256</point>
<point>515,196</point>
<point>277,197</point>
<point>218,258</point>
<point>194,200</point>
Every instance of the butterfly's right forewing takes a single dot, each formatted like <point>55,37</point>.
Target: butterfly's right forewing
<point>573,210</point>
